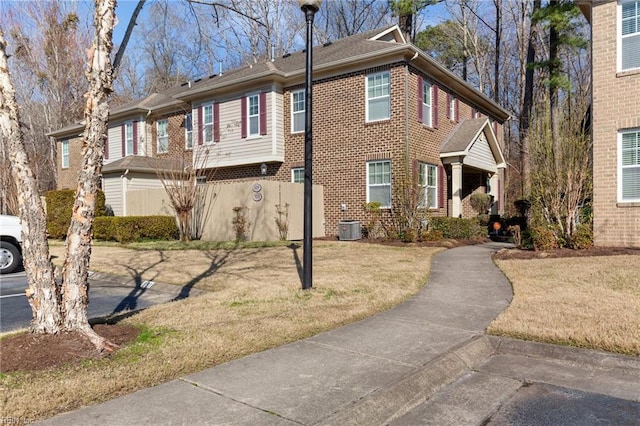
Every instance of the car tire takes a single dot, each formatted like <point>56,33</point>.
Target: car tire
<point>10,257</point>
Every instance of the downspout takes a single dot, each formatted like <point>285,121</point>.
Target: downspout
<point>124,193</point>
<point>406,110</point>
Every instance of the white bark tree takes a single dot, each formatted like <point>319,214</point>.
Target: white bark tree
<point>63,308</point>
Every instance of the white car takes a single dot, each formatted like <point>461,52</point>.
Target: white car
<point>10,244</point>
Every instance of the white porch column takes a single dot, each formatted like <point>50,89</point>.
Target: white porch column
<point>456,189</point>
<point>493,182</point>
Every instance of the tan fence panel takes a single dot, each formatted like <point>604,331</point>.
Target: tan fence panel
<point>258,200</point>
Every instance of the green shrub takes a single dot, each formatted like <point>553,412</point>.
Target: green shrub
<point>431,235</point>
<point>60,207</point>
<point>543,238</point>
<point>457,228</point>
<point>583,237</point>
<point>480,202</point>
<point>127,229</point>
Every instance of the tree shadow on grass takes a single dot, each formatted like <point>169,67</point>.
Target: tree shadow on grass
<point>130,302</point>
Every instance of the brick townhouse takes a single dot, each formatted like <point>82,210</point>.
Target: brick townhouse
<point>615,35</point>
<point>382,108</point>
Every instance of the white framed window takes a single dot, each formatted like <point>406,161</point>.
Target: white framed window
<point>629,166</point>
<point>379,182</point>
<point>188,131</point>
<point>163,135</point>
<point>207,124</point>
<point>378,96</point>
<point>253,115</point>
<point>452,107</point>
<point>297,175</point>
<point>128,138</point>
<point>426,104</point>
<point>628,35</point>
<point>428,178</point>
<point>65,154</point>
<point>297,111</point>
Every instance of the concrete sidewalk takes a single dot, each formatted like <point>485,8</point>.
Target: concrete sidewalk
<point>426,361</point>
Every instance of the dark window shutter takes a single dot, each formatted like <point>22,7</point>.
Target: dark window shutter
<point>414,172</point>
<point>216,122</point>
<point>420,98</point>
<point>135,137</point>
<point>200,126</point>
<point>263,113</point>
<point>124,139</point>
<point>243,114</point>
<point>106,146</point>
<point>449,107</point>
<point>442,184</point>
<point>495,128</point>
<point>434,105</point>
<point>457,107</point>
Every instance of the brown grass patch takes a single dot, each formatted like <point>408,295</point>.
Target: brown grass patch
<point>254,302</point>
<point>591,302</point>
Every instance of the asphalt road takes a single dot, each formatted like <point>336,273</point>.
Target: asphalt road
<point>107,295</point>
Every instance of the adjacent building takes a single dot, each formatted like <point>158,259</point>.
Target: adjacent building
<point>382,110</point>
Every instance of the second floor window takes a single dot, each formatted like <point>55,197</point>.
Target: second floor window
<point>629,45</point>
<point>378,96</point>
<point>426,103</point>
<point>297,111</point>
<point>207,124</point>
<point>163,135</point>
<point>128,139</point>
<point>65,154</point>
<point>188,131</point>
<point>253,115</point>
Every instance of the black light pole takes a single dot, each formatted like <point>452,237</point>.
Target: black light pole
<point>309,7</point>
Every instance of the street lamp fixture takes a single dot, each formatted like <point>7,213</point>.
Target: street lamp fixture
<point>309,7</point>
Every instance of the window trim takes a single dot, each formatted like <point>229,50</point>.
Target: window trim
<point>188,131</point>
<point>423,171</point>
<point>295,113</point>
<point>427,87</point>
<point>158,136</point>
<point>205,124</point>
<point>390,184</point>
<point>620,167</point>
<point>127,125</point>
<point>368,100</point>
<point>293,173</point>
<point>64,164</point>
<point>257,134</point>
<point>619,36</point>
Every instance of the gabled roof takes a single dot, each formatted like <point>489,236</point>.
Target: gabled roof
<point>141,163</point>
<point>365,50</point>
<point>464,140</point>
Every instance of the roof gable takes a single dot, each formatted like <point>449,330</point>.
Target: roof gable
<point>474,143</point>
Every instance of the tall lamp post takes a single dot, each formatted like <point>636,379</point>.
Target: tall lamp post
<point>309,7</point>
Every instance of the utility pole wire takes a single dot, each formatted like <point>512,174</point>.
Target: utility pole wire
<point>127,35</point>
<point>233,9</point>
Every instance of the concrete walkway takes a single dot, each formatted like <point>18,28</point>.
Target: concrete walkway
<point>426,361</point>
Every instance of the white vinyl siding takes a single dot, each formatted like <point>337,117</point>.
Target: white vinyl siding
<point>629,35</point>
<point>65,154</point>
<point>163,136</point>
<point>188,131</point>
<point>426,104</point>
<point>378,96</point>
<point>128,137</point>
<point>428,175</point>
<point>379,183</point>
<point>629,166</point>
<point>207,124</point>
<point>297,111</point>
<point>297,175</point>
<point>253,115</point>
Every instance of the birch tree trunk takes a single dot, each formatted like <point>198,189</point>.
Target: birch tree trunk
<point>42,292</point>
<point>75,270</point>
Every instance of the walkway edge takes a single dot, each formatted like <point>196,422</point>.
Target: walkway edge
<point>394,401</point>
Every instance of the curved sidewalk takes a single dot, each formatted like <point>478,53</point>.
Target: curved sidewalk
<point>381,370</point>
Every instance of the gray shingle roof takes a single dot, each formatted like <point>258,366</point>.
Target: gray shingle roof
<point>141,163</point>
<point>463,135</point>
